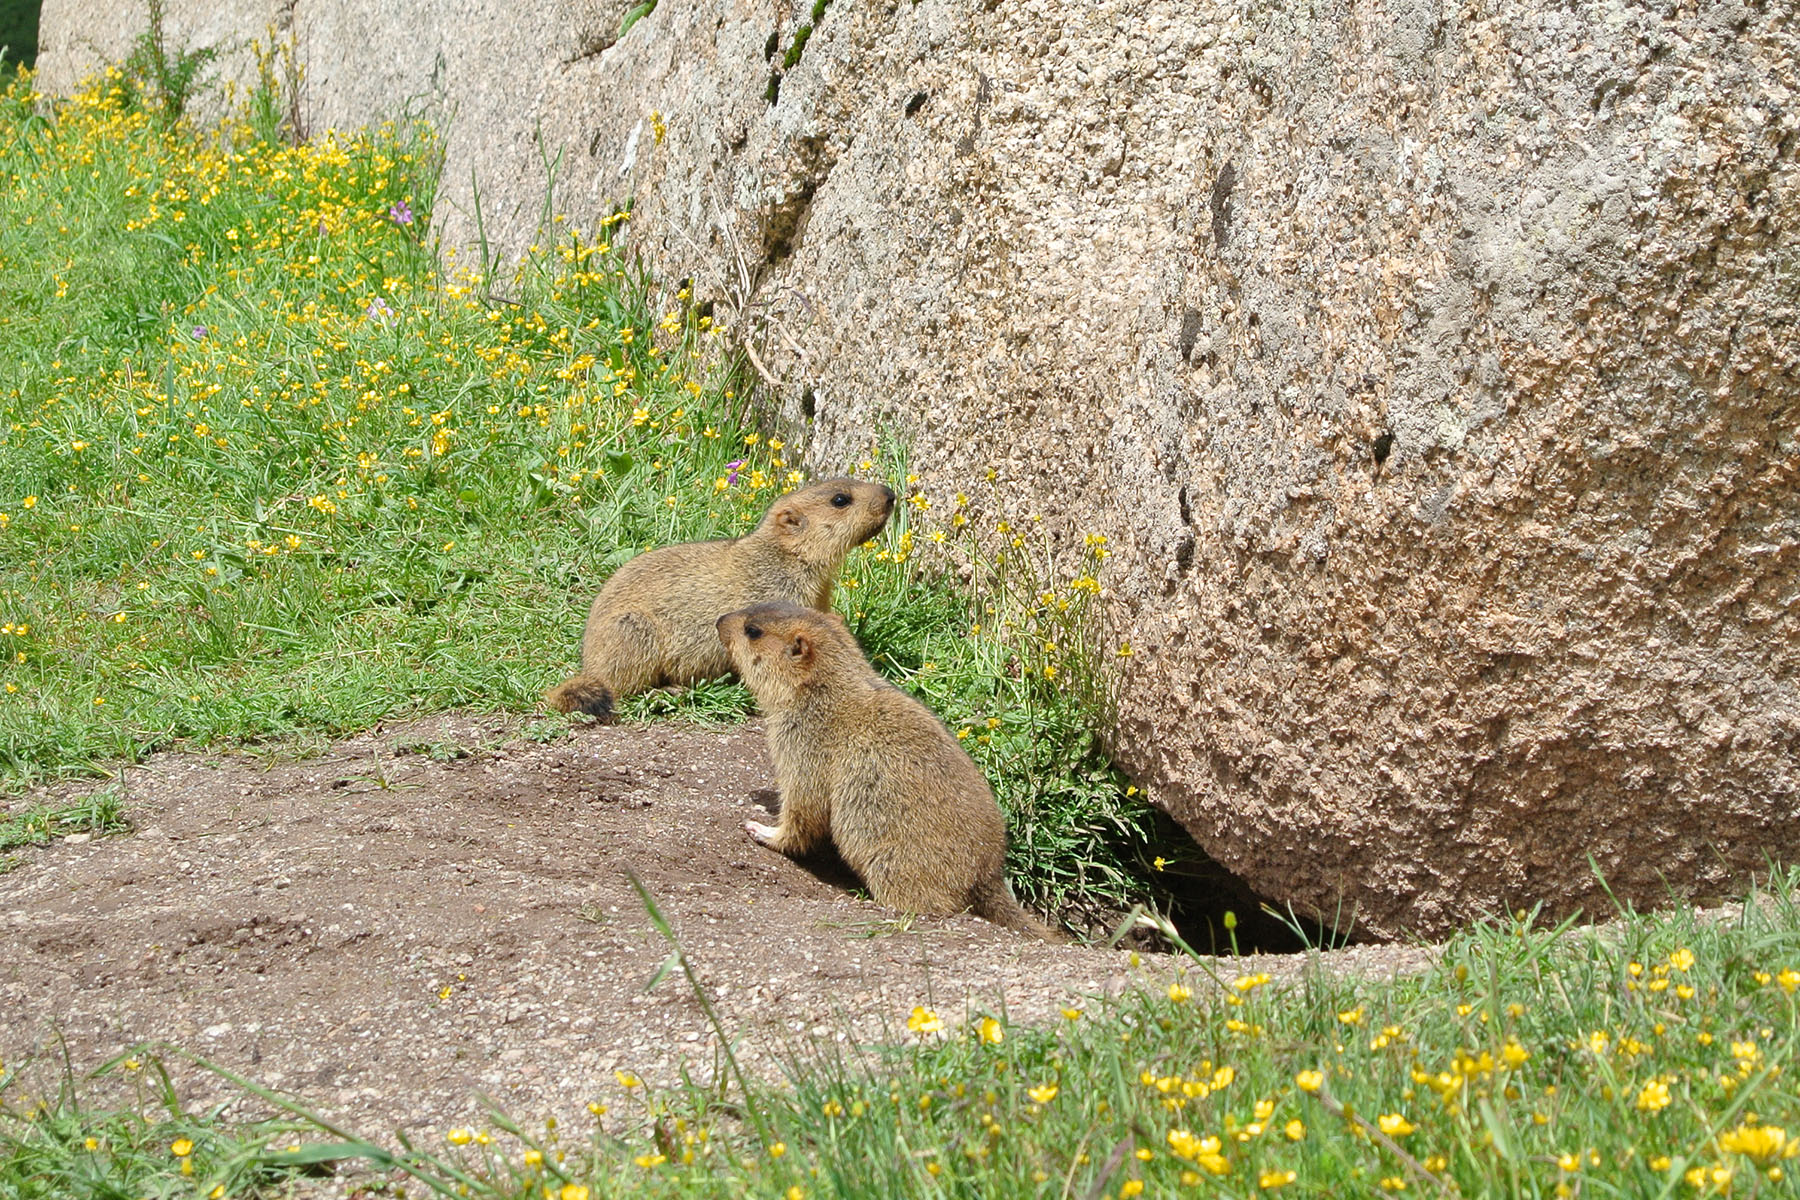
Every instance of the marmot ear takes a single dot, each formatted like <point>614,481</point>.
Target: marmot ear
<point>800,650</point>
<point>789,517</point>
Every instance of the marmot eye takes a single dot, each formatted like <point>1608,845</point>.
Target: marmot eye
<point>841,500</point>
<point>752,632</point>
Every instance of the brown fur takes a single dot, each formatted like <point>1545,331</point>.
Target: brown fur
<point>867,767</point>
<point>652,624</point>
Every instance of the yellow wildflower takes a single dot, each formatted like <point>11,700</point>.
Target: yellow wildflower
<point>923,1020</point>
<point>1760,1142</point>
<point>1654,1097</point>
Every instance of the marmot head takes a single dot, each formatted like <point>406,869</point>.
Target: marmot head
<point>822,522</point>
<point>779,648</point>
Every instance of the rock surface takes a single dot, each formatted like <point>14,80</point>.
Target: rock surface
<point>1433,368</point>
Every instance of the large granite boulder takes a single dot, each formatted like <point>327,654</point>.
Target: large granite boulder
<point>1434,368</point>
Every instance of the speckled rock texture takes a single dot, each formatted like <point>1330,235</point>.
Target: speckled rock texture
<point>1433,367</point>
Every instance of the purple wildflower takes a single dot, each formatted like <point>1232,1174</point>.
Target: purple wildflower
<point>378,310</point>
<point>731,469</point>
<point>199,332</point>
<point>401,213</point>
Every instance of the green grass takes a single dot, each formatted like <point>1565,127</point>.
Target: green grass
<point>1650,1057</point>
<point>1524,1063</point>
<point>62,1146</point>
<point>271,471</point>
<point>98,813</point>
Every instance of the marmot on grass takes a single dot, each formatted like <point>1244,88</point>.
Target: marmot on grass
<point>652,625</point>
<point>864,765</point>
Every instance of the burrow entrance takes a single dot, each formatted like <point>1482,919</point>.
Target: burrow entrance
<point>1217,912</point>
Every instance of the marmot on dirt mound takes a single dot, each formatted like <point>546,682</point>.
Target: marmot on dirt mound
<point>863,764</point>
<point>652,625</point>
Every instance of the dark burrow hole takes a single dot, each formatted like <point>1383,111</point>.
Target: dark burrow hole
<point>1197,894</point>
<point>1192,891</point>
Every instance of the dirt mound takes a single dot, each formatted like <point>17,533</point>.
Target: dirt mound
<point>433,910</point>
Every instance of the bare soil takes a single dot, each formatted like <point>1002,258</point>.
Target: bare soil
<point>429,912</point>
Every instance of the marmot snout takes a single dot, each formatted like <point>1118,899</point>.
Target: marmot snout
<point>652,625</point>
<point>864,765</point>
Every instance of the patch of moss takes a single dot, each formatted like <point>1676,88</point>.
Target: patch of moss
<point>637,13</point>
<point>798,48</point>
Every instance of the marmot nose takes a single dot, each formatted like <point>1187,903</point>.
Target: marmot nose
<point>720,623</point>
<point>889,493</point>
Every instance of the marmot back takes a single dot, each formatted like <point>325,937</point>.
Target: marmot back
<point>864,765</point>
<point>652,625</point>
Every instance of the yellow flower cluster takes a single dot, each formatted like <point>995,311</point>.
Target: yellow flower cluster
<point>295,371</point>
